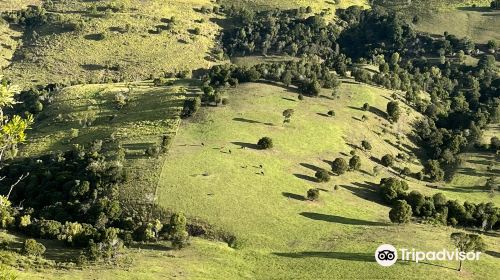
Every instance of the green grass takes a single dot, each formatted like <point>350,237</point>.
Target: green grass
<point>280,233</point>
<point>130,49</point>
<point>151,112</point>
<point>457,17</point>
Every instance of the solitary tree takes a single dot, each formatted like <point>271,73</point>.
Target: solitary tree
<point>465,242</point>
<point>265,143</point>
<point>322,176</point>
<point>393,111</point>
<point>339,166</point>
<point>401,212</point>
<point>288,113</point>
<point>366,145</point>
<point>313,194</point>
<point>366,107</point>
<point>355,162</point>
<point>387,160</point>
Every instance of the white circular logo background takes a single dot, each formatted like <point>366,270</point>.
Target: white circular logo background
<point>386,255</point>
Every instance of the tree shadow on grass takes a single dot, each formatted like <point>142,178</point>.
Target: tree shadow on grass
<point>306,177</point>
<point>310,166</point>
<point>289,99</point>
<point>493,254</point>
<point>246,145</point>
<point>246,120</point>
<point>367,190</point>
<point>346,256</point>
<point>323,115</point>
<point>293,196</point>
<point>340,220</point>
<point>378,112</point>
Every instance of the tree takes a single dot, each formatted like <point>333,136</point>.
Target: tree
<point>178,230</point>
<point>33,248</point>
<point>466,242</point>
<point>416,201</point>
<point>288,113</point>
<point>322,176</point>
<point>392,189</point>
<point>287,78</point>
<point>366,145</point>
<point>492,45</point>
<point>331,113</point>
<point>355,162</point>
<point>339,166</point>
<point>433,169</point>
<point>366,107</point>
<point>387,160</point>
<point>393,111</point>
<point>313,194</point>
<point>265,143</point>
<point>401,212</point>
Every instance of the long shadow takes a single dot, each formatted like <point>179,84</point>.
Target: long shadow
<point>246,145</point>
<point>310,166</point>
<point>340,220</point>
<point>346,256</point>
<point>378,112</point>
<point>493,254</point>
<point>323,115</point>
<point>246,120</point>
<point>289,99</point>
<point>293,196</point>
<point>376,160</point>
<point>355,108</point>
<point>306,177</point>
<point>329,162</point>
<point>365,191</point>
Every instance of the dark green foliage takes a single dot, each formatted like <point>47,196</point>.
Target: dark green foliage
<point>191,106</point>
<point>46,229</point>
<point>313,194</point>
<point>265,143</point>
<point>366,107</point>
<point>322,176</point>
<point>401,212</point>
<point>33,248</point>
<point>339,166</point>
<point>387,160</point>
<point>355,162</point>
<point>416,201</point>
<point>393,111</point>
<point>366,145</point>
<point>331,113</point>
<point>392,189</point>
<point>433,169</point>
<point>311,88</point>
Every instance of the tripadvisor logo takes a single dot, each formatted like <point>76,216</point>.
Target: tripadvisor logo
<point>387,255</point>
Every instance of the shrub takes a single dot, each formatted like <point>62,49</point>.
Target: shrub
<point>433,169</point>
<point>178,233</point>
<point>313,194</point>
<point>393,111</point>
<point>331,113</point>
<point>339,166</point>
<point>366,107</point>
<point>400,213</point>
<point>387,160</point>
<point>33,248</point>
<point>392,189</point>
<point>301,96</point>
<point>265,143</point>
<point>322,176</point>
<point>366,145</point>
<point>355,163</point>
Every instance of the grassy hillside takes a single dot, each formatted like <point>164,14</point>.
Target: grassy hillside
<point>149,114</point>
<point>221,182</point>
<point>457,17</point>
<point>128,41</point>
<point>279,232</point>
<point>316,5</point>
